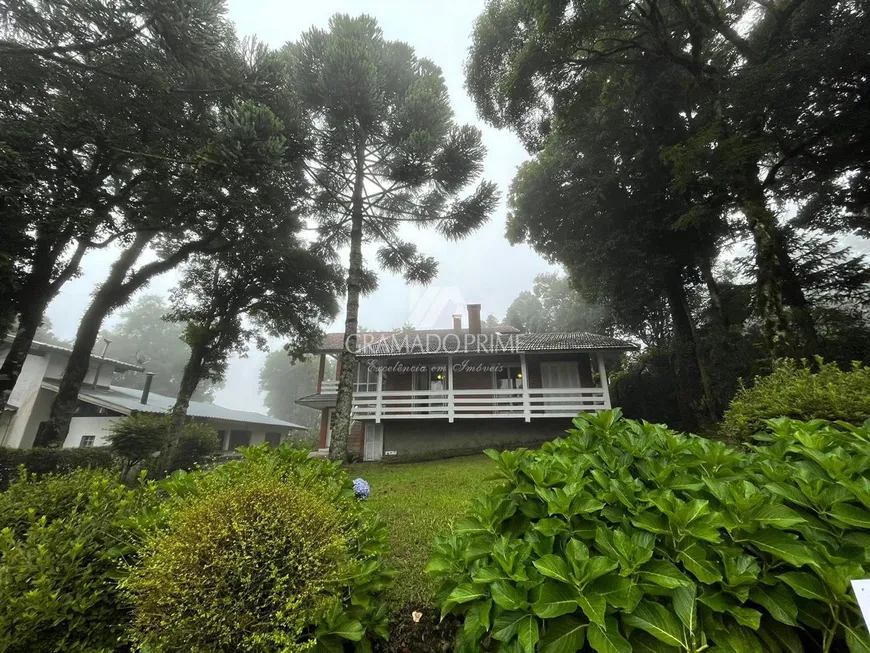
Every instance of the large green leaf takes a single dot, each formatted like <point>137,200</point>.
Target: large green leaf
<point>777,515</point>
<point>553,567</point>
<point>746,616</point>
<point>778,601</point>
<point>806,585</point>
<point>617,591</point>
<point>783,546</point>
<point>506,624</point>
<point>655,619</point>
<point>593,607</point>
<point>607,639</point>
<point>856,639</point>
<point>528,632</point>
<point>665,574</point>
<point>850,514</point>
<point>555,599</point>
<point>507,595</point>
<point>564,635</point>
<point>349,629</point>
<point>466,592</point>
<point>686,607</point>
<point>694,558</point>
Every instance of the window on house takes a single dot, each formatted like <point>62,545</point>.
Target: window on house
<point>239,439</point>
<point>366,378</point>
<point>273,439</point>
<point>87,440</point>
<point>509,377</point>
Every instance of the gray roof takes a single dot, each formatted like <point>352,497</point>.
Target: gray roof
<point>126,400</point>
<point>40,347</point>
<point>405,344</point>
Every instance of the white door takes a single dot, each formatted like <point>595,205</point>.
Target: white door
<point>560,375</point>
<point>329,422</point>
<point>374,441</point>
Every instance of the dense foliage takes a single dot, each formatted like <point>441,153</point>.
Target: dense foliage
<point>143,439</point>
<point>41,461</point>
<point>198,441</point>
<point>800,392</point>
<point>269,553</point>
<point>61,539</point>
<point>628,536</point>
<point>662,133</point>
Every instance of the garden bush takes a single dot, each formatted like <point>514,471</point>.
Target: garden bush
<point>272,552</point>
<point>796,391</point>
<point>197,443</point>
<point>39,461</point>
<point>139,436</point>
<point>62,543</point>
<point>628,536</point>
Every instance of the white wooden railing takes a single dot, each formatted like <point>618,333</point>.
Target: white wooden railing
<point>465,404</point>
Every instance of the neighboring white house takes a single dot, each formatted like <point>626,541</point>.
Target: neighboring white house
<point>101,405</point>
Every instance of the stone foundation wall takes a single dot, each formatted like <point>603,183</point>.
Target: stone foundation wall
<point>431,439</point>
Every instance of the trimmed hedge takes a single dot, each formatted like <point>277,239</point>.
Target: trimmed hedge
<point>272,552</point>
<point>796,391</point>
<point>62,539</point>
<point>629,536</point>
<point>41,461</point>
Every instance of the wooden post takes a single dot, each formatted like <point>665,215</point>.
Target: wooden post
<point>602,372</point>
<point>320,373</point>
<point>380,393</point>
<point>451,406</point>
<point>524,369</point>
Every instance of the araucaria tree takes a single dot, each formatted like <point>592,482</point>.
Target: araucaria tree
<point>384,152</point>
<point>267,285</point>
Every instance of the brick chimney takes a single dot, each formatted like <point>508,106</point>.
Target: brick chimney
<point>457,322</point>
<point>474,319</point>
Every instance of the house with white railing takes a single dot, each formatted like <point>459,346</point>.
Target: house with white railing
<point>437,392</point>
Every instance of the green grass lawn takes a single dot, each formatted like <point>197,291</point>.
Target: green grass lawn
<point>419,501</point>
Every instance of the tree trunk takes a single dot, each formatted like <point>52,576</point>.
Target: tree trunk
<point>793,296</point>
<point>706,266</point>
<point>35,295</point>
<point>706,384</point>
<point>29,320</point>
<point>684,358</point>
<point>111,294</point>
<point>765,232</point>
<point>189,381</point>
<point>347,374</point>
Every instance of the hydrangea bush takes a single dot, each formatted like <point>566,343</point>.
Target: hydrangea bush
<point>361,489</point>
<point>626,536</point>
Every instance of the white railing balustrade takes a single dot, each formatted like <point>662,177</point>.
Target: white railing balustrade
<point>465,404</point>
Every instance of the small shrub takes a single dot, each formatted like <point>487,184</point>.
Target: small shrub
<point>794,390</point>
<point>60,553</point>
<point>628,536</point>
<point>42,461</point>
<point>271,552</point>
<point>198,441</point>
<point>138,437</point>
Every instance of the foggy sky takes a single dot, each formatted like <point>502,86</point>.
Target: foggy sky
<point>482,269</point>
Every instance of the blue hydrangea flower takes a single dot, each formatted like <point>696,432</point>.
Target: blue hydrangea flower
<point>361,488</point>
